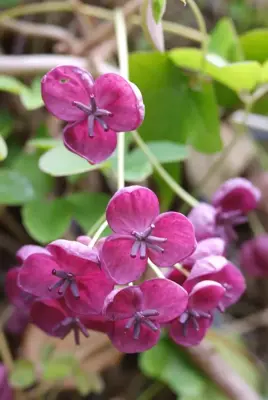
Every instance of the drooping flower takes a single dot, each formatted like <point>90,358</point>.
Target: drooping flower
<point>5,389</point>
<point>254,256</point>
<point>140,232</point>
<point>54,318</point>
<point>218,269</point>
<point>190,327</point>
<point>94,111</point>
<point>71,271</point>
<point>137,312</point>
<point>230,204</point>
<point>29,249</point>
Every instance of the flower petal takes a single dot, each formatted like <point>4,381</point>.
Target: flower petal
<point>124,341</point>
<point>132,208</point>
<point>94,149</point>
<point>179,232</point>
<point>27,250</point>
<point>193,337</point>
<point>46,314</point>
<point>17,296</point>
<point>203,218</point>
<point>123,99</point>
<point>123,303</point>
<point>254,256</point>
<point>62,86</point>
<point>117,262</point>
<point>205,248</point>
<point>164,296</point>
<point>205,266</point>
<point>205,296</point>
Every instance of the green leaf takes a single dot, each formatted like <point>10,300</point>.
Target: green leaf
<point>11,85</point>
<point>137,167</point>
<point>31,96</point>
<point>22,375</point>
<point>225,42</point>
<point>254,44</point>
<point>168,99</point>
<point>88,382</point>
<point>3,148</point>
<point>167,363</point>
<point>87,208</point>
<point>27,164</point>
<point>15,188</point>
<point>265,72</point>
<point>159,7</point>
<point>61,162</point>
<point>59,368</point>
<point>46,220</point>
<point>6,123</point>
<point>42,143</point>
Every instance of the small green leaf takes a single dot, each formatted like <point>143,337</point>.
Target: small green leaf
<point>22,375</point>
<point>3,148</point>
<point>6,124</point>
<point>159,7</point>
<point>254,44</point>
<point>42,143</point>
<point>31,96</point>
<point>15,188</point>
<point>59,368</point>
<point>137,167</point>
<point>46,220</point>
<point>165,151</point>
<point>152,29</point>
<point>11,85</point>
<point>61,162</point>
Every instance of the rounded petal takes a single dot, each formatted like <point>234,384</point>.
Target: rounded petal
<point>254,256</point>
<point>164,296</point>
<point>94,149</point>
<point>17,296</point>
<point>203,218</point>
<point>35,275</point>
<point>237,194</point>
<point>117,262</point>
<point>192,337</point>
<point>123,99</point>
<point>83,239</point>
<point>123,303</point>
<point>96,323</point>
<point>124,341</point>
<point>62,86</point>
<point>47,314</point>
<point>132,208</point>
<point>205,248</point>
<point>27,250</point>
<point>179,232</point>
<point>205,296</point>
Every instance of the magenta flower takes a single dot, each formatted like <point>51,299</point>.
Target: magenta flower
<point>140,232</point>
<point>5,389</point>
<point>16,295</point>
<point>230,204</point>
<point>254,256</point>
<point>208,247</point>
<point>218,269</point>
<point>191,326</point>
<point>55,319</point>
<point>137,313</point>
<point>71,271</point>
<point>94,111</point>
<point>29,249</point>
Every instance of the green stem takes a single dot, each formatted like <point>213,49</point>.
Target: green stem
<point>98,234</point>
<point>157,271</point>
<point>163,173</point>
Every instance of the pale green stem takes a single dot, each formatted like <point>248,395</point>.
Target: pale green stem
<point>157,271</point>
<point>180,268</point>
<point>98,234</point>
<point>183,194</point>
<point>95,227</point>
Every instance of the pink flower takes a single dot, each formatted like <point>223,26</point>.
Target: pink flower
<point>140,232</point>
<point>95,111</point>
<point>55,319</point>
<point>137,313</point>
<point>72,271</point>
<point>218,269</point>
<point>191,326</point>
<point>230,204</point>
<point>207,247</point>
<point>5,389</point>
<point>254,256</point>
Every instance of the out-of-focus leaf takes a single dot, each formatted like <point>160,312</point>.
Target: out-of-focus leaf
<point>6,124</point>
<point>31,96</point>
<point>42,143</point>
<point>59,367</point>
<point>15,188</point>
<point>265,72</point>
<point>159,7</point>
<point>88,383</point>
<point>153,31</point>
<point>254,44</point>
<point>225,42</point>
<point>61,162</point>
<point>27,164</point>
<point>8,3</point>
<point>22,375</point>
<point>3,148</point>
<point>165,151</point>
<point>11,85</point>
<point>46,220</point>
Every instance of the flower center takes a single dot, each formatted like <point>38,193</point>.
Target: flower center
<point>66,280</point>
<point>142,317</point>
<point>93,114</point>
<point>68,324</point>
<point>192,317</point>
<point>145,240</point>
<point>226,220</point>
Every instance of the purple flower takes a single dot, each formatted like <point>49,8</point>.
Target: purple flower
<point>207,247</point>
<point>140,232</point>
<point>29,249</point>
<point>191,326</point>
<point>137,312</point>
<point>254,256</point>
<point>231,202</point>
<point>5,389</point>
<point>218,269</point>
<point>55,319</point>
<point>72,271</point>
<point>95,111</point>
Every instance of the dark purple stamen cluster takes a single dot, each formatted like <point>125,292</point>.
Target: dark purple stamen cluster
<point>67,280</point>
<point>93,114</point>
<point>142,317</point>
<point>146,240</point>
<point>192,316</point>
<point>69,324</point>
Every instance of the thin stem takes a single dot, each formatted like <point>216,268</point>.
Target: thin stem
<point>157,271</point>
<point>151,391</point>
<point>98,233</point>
<point>183,194</point>
<point>95,227</point>
<point>5,352</point>
<point>122,49</point>
<point>180,268</point>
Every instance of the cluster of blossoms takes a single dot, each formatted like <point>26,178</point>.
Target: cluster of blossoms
<point>79,285</point>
